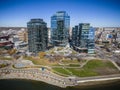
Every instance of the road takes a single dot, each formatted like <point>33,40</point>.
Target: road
<point>103,54</point>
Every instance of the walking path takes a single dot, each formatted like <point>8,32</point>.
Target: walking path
<point>115,65</point>
<point>51,78</point>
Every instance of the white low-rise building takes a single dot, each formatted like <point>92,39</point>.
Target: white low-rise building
<point>116,51</point>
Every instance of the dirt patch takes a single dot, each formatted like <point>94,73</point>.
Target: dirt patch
<point>106,71</point>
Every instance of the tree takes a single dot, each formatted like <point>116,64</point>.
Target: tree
<point>12,51</point>
<point>79,59</point>
<point>41,54</point>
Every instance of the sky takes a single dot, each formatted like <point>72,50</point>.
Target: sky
<point>99,13</point>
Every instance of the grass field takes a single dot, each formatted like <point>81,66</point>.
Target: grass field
<point>74,65</point>
<point>40,61</point>
<point>72,61</point>
<point>92,68</point>
<point>5,58</point>
<point>69,61</point>
<point>61,71</point>
<point>94,64</point>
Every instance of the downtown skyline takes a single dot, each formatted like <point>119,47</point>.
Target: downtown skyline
<point>100,13</point>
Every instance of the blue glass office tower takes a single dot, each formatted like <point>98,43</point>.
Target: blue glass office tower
<point>75,35</point>
<point>37,35</point>
<point>91,40</point>
<point>84,29</point>
<point>60,24</point>
<point>83,38</point>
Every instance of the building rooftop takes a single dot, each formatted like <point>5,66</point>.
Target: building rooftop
<point>37,20</point>
<point>61,12</point>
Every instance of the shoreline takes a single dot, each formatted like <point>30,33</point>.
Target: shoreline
<point>88,85</point>
<point>82,83</point>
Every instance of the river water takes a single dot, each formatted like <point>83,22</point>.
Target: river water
<point>36,85</point>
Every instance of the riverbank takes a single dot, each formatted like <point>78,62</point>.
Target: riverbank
<point>96,83</point>
<point>82,85</point>
<point>56,80</point>
<point>32,75</point>
<point>16,84</point>
<point>104,85</point>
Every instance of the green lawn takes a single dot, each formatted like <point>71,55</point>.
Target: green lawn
<point>94,64</point>
<point>66,61</point>
<point>69,61</point>
<point>82,72</point>
<point>74,65</point>
<point>3,65</point>
<point>92,68</point>
<point>5,58</point>
<point>61,71</point>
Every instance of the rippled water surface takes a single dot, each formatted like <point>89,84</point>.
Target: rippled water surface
<point>36,85</point>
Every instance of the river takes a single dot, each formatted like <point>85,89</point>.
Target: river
<point>36,85</point>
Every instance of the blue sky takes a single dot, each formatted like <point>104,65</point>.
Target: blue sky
<point>101,13</point>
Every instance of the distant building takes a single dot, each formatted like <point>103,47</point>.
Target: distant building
<point>106,34</point>
<point>15,38</point>
<point>83,38</point>
<point>11,30</point>
<point>60,24</point>
<point>118,37</point>
<point>37,35</point>
<point>5,42</point>
<point>23,35</point>
<point>21,46</point>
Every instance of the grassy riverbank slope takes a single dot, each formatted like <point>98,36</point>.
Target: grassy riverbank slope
<point>92,68</point>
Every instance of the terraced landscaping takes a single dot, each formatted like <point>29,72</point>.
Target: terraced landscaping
<point>92,68</point>
<point>82,68</point>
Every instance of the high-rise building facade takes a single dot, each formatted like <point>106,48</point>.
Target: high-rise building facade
<point>91,40</point>
<point>37,35</point>
<point>23,35</point>
<point>83,37</point>
<point>75,35</point>
<point>60,25</point>
<point>84,29</point>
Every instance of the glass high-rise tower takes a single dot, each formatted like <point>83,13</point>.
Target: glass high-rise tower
<point>37,35</point>
<point>60,24</point>
<point>84,29</point>
<point>91,38</point>
<point>83,37</point>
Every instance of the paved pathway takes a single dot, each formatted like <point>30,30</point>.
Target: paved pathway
<point>49,77</point>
